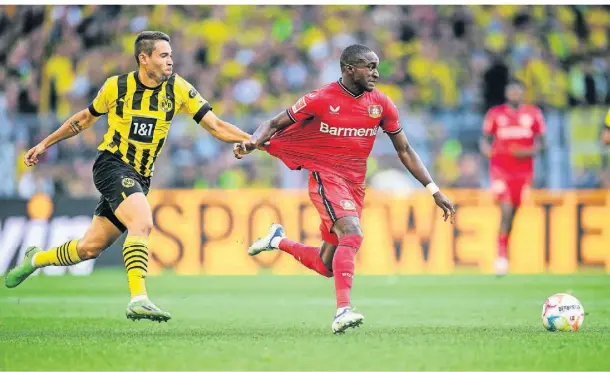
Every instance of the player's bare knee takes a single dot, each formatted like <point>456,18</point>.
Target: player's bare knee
<point>143,229</point>
<point>140,227</point>
<point>134,212</point>
<point>348,226</point>
<point>353,232</point>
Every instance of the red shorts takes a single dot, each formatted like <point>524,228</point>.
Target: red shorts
<point>334,198</point>
<point>509,188</point>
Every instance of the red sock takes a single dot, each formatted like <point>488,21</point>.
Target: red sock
<point>343,267</point>
<point>308,256</point>
<point>502,245</point>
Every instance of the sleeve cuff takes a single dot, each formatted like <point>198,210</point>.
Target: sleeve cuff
<point>93,111</point>
<point>202,111</point>
<point>394,132</point>
<point>290,116</point>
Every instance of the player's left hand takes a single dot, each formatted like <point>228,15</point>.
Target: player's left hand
<point>238,151</point>
<point>446,205</point>
<point>243,148</point>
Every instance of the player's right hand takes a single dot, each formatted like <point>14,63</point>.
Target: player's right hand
<point>446,205</point>
<point>31,158</point>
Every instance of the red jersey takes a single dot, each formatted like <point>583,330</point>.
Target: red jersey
<point>334,131</point>
<point>513,128</point>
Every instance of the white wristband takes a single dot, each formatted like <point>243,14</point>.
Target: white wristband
<point>432,188</point>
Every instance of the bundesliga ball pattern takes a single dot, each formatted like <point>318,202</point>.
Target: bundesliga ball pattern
<point>562,312</point>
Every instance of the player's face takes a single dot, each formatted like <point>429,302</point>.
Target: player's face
<point>160,63</point>
<point>514,94</point>
<point>365,73</point>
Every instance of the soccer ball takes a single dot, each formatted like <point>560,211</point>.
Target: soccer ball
<point>562,312</point>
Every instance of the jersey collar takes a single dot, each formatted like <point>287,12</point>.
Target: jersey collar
<point>347,90</point>
<point>512,109</point>
<point>138,82</point>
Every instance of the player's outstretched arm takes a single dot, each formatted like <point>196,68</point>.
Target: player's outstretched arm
<point>222,130</point>
<point>71,127</point>
<point>413,163</point>
<point>263,134</point>
<point>270,127</point>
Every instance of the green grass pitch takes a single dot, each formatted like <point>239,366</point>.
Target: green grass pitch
<point>461,322</point>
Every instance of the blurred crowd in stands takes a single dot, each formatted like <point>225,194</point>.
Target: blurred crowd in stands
<point>443,66</point>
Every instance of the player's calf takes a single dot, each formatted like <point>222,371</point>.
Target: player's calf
<point>310,257</point>
<point>343,268</point>
<point>350,236</point>
<point>507,210</point>
<point>276,239</point>
<point>89,252</point>
<point>99,236</point>
<point>64,255</point>
<point>135,256</point>
<point>135,214</point>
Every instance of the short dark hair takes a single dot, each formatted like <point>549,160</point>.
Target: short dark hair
<point>353,54</point>
<point>515,81</point>
<point>145,43</point>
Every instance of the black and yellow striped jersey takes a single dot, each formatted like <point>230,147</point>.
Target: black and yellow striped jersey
<point>139,117</point>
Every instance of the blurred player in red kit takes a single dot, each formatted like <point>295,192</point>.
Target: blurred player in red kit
<point>331,132</point>
<point>513,134</point>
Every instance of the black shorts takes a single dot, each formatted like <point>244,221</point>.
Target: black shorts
<point>115,180</point>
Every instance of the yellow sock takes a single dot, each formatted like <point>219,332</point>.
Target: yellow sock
<point>135,255</point>
<point>64,255</point>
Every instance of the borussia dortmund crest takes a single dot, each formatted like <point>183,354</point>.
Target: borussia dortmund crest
<point>127,182</point>
<point>166,105</point>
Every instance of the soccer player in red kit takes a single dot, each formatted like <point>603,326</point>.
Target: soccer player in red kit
<point>513,134</point>
<point>331,132</point>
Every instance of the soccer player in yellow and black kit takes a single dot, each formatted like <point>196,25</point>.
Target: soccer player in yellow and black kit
<point>140,106</point>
